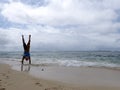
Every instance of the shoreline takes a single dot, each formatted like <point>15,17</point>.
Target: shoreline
<point>59,78</point>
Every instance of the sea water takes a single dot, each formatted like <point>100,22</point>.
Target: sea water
<point>66,58</point>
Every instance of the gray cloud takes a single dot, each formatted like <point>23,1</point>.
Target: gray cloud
<point>62,24</point>
<point>3,41</point>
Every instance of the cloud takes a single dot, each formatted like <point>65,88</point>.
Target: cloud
<point>60,12</point>
<point>63,24</point>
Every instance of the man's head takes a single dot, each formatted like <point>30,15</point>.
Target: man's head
<point>26,58</point>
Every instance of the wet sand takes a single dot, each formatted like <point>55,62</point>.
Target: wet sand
<point>58,78</point>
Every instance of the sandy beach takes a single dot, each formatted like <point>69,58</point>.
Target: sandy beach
<point>59,78</point>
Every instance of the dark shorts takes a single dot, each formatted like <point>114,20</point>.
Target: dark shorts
<point>26,54</point>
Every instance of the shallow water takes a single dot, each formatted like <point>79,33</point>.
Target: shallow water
<point>67,58</point>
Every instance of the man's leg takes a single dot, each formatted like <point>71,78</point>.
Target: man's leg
<point>28,44</point>
<point>24,44</point>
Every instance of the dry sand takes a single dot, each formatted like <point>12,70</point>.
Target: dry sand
<point>15,80</point>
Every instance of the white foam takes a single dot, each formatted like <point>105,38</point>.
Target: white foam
<point>75,63</point>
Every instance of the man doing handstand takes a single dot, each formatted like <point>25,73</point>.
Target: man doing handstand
<point>26,47</point>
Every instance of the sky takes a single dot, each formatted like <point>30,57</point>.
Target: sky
<point>60,25</point>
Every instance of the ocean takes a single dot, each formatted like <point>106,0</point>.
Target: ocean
<point>109,59</point>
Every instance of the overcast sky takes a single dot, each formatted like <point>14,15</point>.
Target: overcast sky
<point>60,24</point>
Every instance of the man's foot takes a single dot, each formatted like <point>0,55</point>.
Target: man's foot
<point>29,35</point>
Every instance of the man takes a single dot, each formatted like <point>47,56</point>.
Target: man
<point>26,47</point>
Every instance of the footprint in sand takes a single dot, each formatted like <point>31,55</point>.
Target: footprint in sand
<point>2,88</point>
<point>39,84</point>
<point>53,88</point>
<point>7,77</point>
<point>3,74</point>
